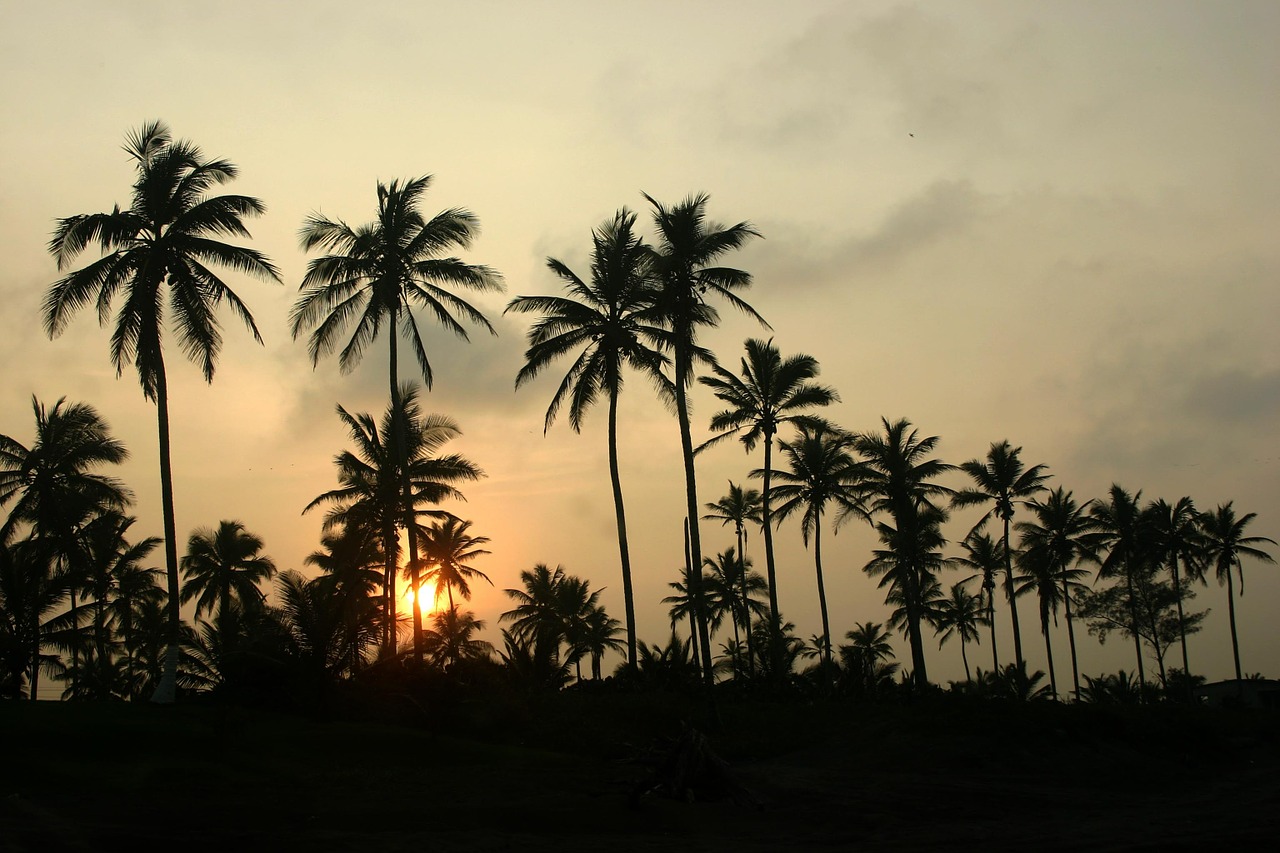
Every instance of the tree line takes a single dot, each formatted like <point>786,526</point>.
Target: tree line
<point>71,580</point>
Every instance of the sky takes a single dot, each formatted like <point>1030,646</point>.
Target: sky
<point>1049,223</point>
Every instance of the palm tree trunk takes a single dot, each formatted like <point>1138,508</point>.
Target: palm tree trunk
<point>1071,640</point>
<point>1133,616</point>
<point>391,556</point>
<point>406,490</point>
<point>770,566</point>
<point>1013,599</point>
<point>1048,650</point>
<point>166,691</point>
<point>746,600</point>
<point>683,375</point>
<point>1182,628</point>
<point>624,551</point>
<point>822,590</point>
<point>1231,613</point>
<point>75,641</point>
<point>693,618</point>
<point>965,658</point>
<point>991,623</point>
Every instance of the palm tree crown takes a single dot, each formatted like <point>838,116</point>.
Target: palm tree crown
<point>222,565</point>
<point>448,547</point>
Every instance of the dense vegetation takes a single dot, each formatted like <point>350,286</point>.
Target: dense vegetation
<point>80,602</point>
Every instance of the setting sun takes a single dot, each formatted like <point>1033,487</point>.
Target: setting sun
<point>428,598</point>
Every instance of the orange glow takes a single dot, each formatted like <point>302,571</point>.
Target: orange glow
<point>428,590</point>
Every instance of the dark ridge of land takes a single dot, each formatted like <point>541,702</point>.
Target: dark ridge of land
<point>555,772</point>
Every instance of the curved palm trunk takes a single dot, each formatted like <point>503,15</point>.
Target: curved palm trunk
<point>1231,613</point>
<point>746,599</point>
<point>1133,616</point>
<point>822,590</point>
<point>991,623</point>
<point>1013,599</point>
<point>1071,641</point>
<point>406,489</point>
<point>624,551</point>
<point>965,658</point>
<point>691,518</point>
<point>166,691</point>
<point>693,619</point>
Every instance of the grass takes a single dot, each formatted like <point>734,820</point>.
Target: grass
<point>552,771</point>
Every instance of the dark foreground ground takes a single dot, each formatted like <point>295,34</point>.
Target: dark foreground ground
<point>555,773</point>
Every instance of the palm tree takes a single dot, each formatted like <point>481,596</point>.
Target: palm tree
<point>1039,576</point>
<point>770,392</point>
<point>554,607</point>
<point>868,653</point>
<point>351,561</point>
<point>222,565</point>
<point>451,638</point>
<point>609,323</point>
<point>898,480</point>
<point>371,496</point>
<point>960,615</point>
<point>1003,481</point>
<point>722,588</point>
<point>684,604</point>
<point>687,245</point>
<point>113,565</point>
<point>447,547</point>
<point>162,244</point>
<point>376,274</point>
<point>1178,537</point>
<point>1120,528</point>
<point>737,508</point>
<point>599,635</point>
<point>822,471</point>
<point>1061,536</point>
<point>986,556</point>
<point>1225,544</point>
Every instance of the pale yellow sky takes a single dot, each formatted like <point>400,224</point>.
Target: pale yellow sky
<point>1051,223</point>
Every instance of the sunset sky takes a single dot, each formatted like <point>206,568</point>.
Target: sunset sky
<point>1051,223</point>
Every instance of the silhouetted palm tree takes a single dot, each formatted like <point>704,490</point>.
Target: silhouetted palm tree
<point>1061,536</point>
<point>771,391</point>
<point>722,586</point>
<point>599,634</point>
<point>352,562</point>
<point>609,323</point>
<point>451,638</point>
<point>1225,544</point>
<point>113,564</point>
<point>375,274</point>
<point>1120,527</point>
<point>687,246</point>
<point>1003,481</point>
<point>1039,575</point>
<point>684,604</point>
<point>821,471</point>
<point>553,607</point>
<point>868,653</point>
<point>737,508</point>
<point>898,480</point>
<point>222,565</point>
<point>960,615</point>
<point>448,547</point>
<point>159,251</point>
<point>371,495</point>
<point>1177,534</point>
<point>986,556</point>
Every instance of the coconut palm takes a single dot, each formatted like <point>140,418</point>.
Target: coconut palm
<point>351,561</point>
<point>1005,482</point>
<point>1039,576</point>
<point>687,246</point>
<point>451,638</point>
<point>609,323</point>
<point>898,480</point>
<point>770,392</point>
<point>1061,536</point>
<point>867,654</point>
<point>448,547</point>
<point>821,471</point>
<point>723,585</point>
<point>371,496</point>
<point>737,508</point>
<point>1225,545</point>
<point>1120,528</point>
<point>221,565</point>
<point>599,634</point>
<point>960,614</point>
<point>986,557</point>
<point>160,251</point>
<point>375,274</point>
<point>1177,535</point>
<point>553,607</point>
<point>113,564</point>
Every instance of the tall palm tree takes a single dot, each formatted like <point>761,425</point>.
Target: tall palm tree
<point>771,391</point>
<point>1003,481</point>
<point>821,471</point>
<point>960,614</point>
<point>1225,544</point>
<point>1061,536</point>
<point>224,564</point>
<point>375,274</point>
<point>448,547</point>
<point>1040,576</point>
<point>158,251</point>
<point>371,496</point>
<point>737,508</point>
<point>1177,535</point>
<point>899,480</point>
<point>609,323</point>
<point>1121,529</point>
<point>985,556</point>
<point>687,246</point>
